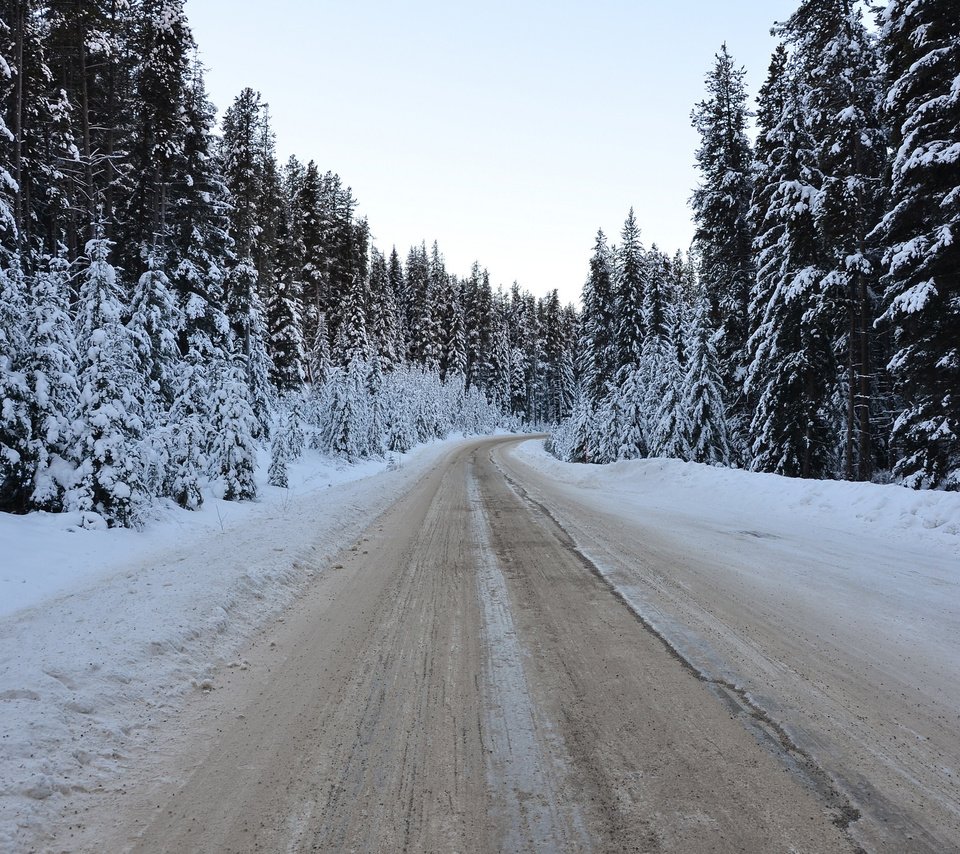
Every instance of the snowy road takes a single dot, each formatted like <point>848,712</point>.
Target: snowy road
<point>504,661</point>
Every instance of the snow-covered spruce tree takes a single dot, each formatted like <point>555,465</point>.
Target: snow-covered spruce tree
<point>154,319</point>
<point>161,78</point>
<point>395,280</point>
<point>384,320</point>
<point>285,338</point>
<point>624,390</point>
<point>52,379</point>
<point>310,233</point>
<point>109,419</point>
<point>416,276</point>
<point>279,452</point>
<point>427,343</point>
<point>16,468</point>
<point>921,229</point>
<point>377,420</point>
<point>598,361</point>
<point>348,427</point>
<point>838,68</point>
<point>398,411</point>
<point>199,244</point>
<point>453,361</point>
<point>702,397</point>
<point>479,322</point>
<point>630,287</point>
<point>791,345</point>
<point>242,146</point>
<point>659,367</point>
<point>721,203</point>
<point>233,455</point>
<point>17,462</point>
<point>183,442</point>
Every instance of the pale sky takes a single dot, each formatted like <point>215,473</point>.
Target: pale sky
<point>507,131</point>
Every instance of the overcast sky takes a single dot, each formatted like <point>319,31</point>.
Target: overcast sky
<point>507,131</point>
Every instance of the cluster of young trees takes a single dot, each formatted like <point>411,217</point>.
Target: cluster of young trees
<point>817,332</point>
<point>172,298</point>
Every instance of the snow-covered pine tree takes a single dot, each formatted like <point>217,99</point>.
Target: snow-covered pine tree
<point>161,78</point>
<point>791,346</point>
<point>279,452</point>
<point>200,247</point>
<point>478,319</point>
<point>453,366</point>
<point>109,419</point>
<point>838,67</point>
<point>233,456</point>
<point>348,429</point>
<point>427,331</point>
<point>187,434</point>
<point>702,396</point>
<point>310,232</point>
<point>630,286</point>
<point>416,281</point>
<point>17,463</point>
<point>384,320</point>
<point>659,368</point>
<point>721,203</point>
<point>154,319</point>
<point>598,357</point>
<point>921,230</point>
<point>9,188</point>
<point>395,279</point>
<point>52,380</point>
<point>285,339</point>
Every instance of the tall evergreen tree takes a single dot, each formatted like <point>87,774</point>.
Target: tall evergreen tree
<point>837,65</point>
<point>921,42</point>
<point>791,346</point>
<point>721,203</point>
<point>161,78</point>
<point>109,419</point>
<point>702,397</point>
<point>630,286</point>
<point>598,358</point>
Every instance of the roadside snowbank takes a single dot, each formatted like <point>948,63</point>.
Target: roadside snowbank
<point>886,511</point>
<point>103,632</point>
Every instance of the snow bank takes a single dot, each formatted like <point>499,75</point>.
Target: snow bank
<point>888,511</point>
<point>103,632</point>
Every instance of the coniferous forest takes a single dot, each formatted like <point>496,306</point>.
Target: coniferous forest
<point>173,297</point>
<point>814,328</point>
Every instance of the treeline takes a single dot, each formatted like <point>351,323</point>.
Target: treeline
<point>173,297</point>
<point>815,331</point>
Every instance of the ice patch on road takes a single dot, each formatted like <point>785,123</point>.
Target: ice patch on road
<point>519,774</point>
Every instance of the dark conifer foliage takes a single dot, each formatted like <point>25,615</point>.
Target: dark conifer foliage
<point>921,234</point>
<point>721,204</point>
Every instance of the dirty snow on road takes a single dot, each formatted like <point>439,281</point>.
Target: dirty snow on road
<point>835,607</point>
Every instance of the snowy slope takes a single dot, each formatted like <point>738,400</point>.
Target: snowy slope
<point>882,511</point>
<point>103,632</point>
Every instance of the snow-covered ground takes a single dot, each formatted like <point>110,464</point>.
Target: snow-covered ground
<point>103,632</point>
<point>707,492</point>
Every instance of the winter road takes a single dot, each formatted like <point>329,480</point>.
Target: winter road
<point>465,679</point>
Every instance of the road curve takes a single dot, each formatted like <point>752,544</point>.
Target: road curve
<point>462,679</point>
